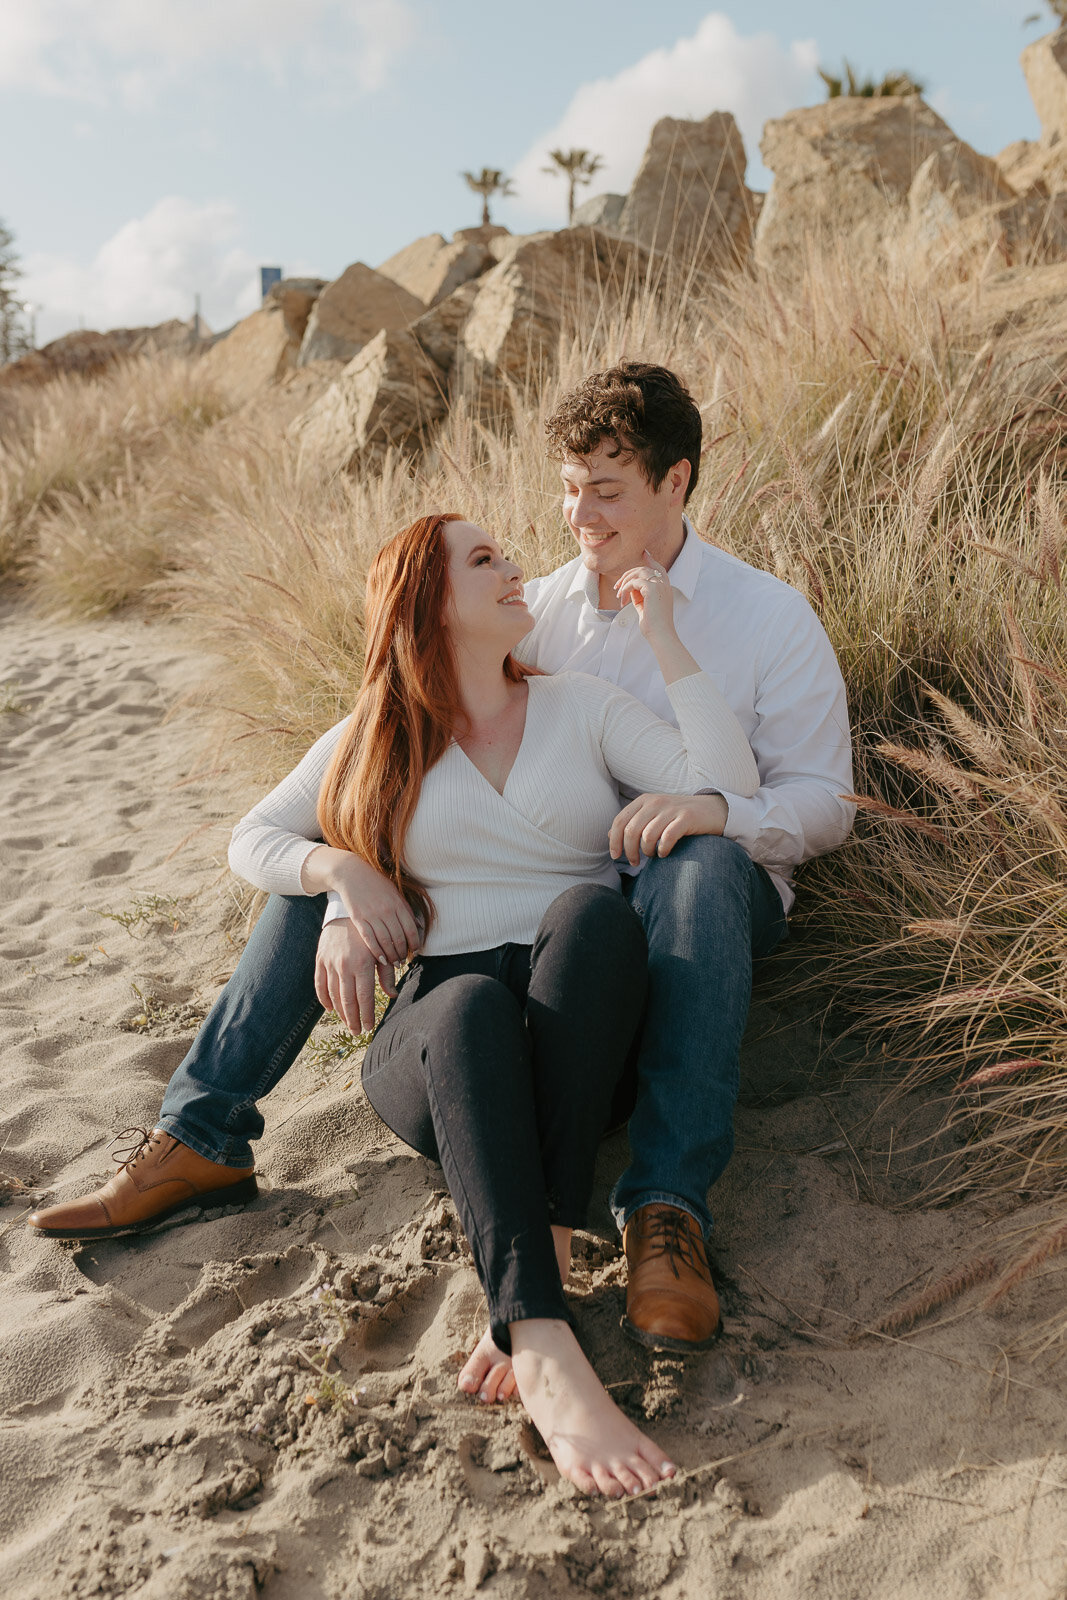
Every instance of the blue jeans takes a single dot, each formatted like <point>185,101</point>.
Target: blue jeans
<point>707,910</point>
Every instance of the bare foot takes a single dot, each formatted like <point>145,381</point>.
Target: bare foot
<point>487,1371</point>
<point>591,1442</point>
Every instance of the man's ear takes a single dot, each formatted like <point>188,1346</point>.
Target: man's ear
<point>678,481</point>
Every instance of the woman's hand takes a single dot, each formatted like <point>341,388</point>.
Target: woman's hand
<point>344,976</point>
<point>374,905</point>
<point>648,588</point>
<point>654,823</point>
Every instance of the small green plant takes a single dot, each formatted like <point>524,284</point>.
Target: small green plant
<point>150,909</point>
<point>325,1051</point>
<point>10,701</point>
<point>76,958</point>
<point>332,1391</point>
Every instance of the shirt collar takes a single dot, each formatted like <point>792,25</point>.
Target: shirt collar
<point>683,574</point>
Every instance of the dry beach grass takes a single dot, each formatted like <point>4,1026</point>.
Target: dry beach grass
<point>886,1413</point>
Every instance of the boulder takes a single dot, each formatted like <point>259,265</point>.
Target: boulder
<point>689,195</point>
<point>257,351</point>
<point>842,168</point>
<point>431,268</point>
<point>438,329</point>
<point>296,296</point>
<point>522,305</point>
<point>1044,65</point>
<point>480,235</point>
<point>85,353</point>
<point>387,395</point>
<point>351,310</point>
<point>1018,321</point>
<point>599,211</point>
<point>953,183</point>
<point>1022,163</point>
<point>1043,162</point>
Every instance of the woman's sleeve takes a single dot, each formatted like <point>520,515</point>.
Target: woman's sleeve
<point>270,845</point>
<point>707,750</point>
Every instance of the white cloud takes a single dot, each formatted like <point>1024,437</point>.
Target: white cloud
<point>717,69</point>
<point>103,50</point>
<point>149,271</point>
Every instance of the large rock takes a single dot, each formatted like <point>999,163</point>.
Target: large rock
<point>842,169</point>
<point>962,210</point>
<point>85,353</point>
<point>387,395</point>
<point>351,310</point>
<point>257,351</point>
<point>1022,163</point>
<point>438,329</point>
<point>599,211</point>
<point>296,296</point>
<point>1044,162</point>
<point>1044,65</point>
<point>689,195</point>
<point>573,276</point>
<point>431,268</point>
<point>1018,323</point>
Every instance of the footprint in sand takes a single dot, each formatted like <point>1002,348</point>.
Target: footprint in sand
<point>111,865</point>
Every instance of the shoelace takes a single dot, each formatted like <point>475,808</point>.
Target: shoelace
<point>126,1158</point>
<point>670,1234</point>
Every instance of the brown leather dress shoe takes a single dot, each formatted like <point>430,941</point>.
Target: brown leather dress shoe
<point>158,1177</point>
<point>671,1302</point>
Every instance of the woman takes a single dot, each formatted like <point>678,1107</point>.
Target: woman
<point>486,794</point>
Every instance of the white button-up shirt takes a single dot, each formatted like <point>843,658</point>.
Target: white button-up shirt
<point>765,649</point>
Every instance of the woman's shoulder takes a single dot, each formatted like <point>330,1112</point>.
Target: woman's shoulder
<point>589,697</point>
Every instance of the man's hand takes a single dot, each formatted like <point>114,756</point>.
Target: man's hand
<point>654,823</point>
<point>344,976</point>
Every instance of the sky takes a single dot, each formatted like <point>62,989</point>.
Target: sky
<point>153,150</point>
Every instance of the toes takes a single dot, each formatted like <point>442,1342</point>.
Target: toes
<point>651,1456</point>
<point>490,1390</point>
<point>627,1475</point>
<point>508,1387</point>
<point>583,1480</point>
<point>606,1481</point>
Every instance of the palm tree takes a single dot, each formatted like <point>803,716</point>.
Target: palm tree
<point>579,166</point>
<point>869,88</point>
<point>489,181</point>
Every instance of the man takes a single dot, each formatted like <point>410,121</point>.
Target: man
<point>713,887</point>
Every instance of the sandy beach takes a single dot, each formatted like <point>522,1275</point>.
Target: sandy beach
<point>182,1417</point>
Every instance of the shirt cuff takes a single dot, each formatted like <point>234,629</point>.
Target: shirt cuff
<point>335,908</point>
<point>742,819</point>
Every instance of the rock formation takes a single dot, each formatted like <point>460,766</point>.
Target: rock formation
<point>257,351</point>
<point>513,330</point>
<point>840,169</point>
<point>599,211</point>
<point>431,269</point>
<point>387,395</point>
<point>351,310</point>
<point>689,194</point>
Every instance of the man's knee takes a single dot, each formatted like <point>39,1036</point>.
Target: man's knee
<point>701,866</point>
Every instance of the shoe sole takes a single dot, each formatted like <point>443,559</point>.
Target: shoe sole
<point>663,1341</point>
<point>235,1194</point>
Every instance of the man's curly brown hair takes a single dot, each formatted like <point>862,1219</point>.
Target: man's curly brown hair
<point>645,411</point>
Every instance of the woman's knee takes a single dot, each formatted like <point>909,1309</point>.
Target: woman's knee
<point>591,907</point>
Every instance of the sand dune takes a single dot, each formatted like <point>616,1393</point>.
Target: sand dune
<point>166,1426</point>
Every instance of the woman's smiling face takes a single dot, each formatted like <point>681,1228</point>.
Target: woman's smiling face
<point>486,602</point>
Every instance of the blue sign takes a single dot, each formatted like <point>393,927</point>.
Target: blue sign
<point>268,277</point>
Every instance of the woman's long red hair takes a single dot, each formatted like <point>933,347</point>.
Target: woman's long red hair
<point>406,711</point>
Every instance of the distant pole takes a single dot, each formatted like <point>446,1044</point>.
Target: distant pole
<point>196,315</point>
<point>268,277</point>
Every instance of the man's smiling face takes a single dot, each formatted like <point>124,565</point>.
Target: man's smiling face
<point>616,515</point>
